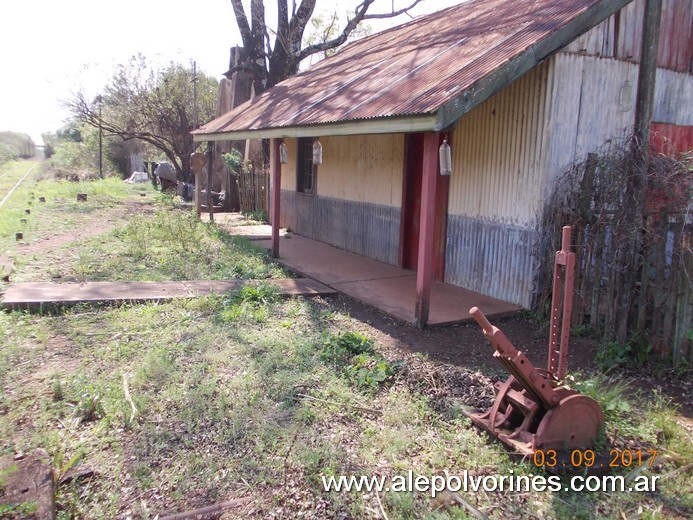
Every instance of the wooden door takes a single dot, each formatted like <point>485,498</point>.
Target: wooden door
<point>411,209</point>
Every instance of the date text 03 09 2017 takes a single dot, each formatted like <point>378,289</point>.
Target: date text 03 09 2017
<point>617,458</point>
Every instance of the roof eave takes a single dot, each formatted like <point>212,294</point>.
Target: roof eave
<point>502,76</point>
<point>387,125</point>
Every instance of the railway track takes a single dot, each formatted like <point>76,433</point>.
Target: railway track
<point>6,196</point>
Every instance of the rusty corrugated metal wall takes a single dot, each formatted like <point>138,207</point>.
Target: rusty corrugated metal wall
<point>620,35</point>
<point>496,191</point>
<point>508,151</point>
<point>367,229</point>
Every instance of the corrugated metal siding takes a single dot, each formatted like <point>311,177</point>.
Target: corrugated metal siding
<point>370,230</point>
<point>597,42</point>
<point>496,191</point>
<point>362,168</point>
<point>620,36</point>
<point>497,154</point>
<point>593,100</point>
<point>491,258</point>
<point>673,102</point>
<point>671,140</point>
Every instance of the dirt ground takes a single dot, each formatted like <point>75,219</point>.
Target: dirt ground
<point>464,346</point>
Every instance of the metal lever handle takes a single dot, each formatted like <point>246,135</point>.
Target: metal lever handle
<point>479,317</point>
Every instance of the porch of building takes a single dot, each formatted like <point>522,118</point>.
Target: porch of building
<point>385,287</point>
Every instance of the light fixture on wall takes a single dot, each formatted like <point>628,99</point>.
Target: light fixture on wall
<point>445,156</point>
<point>317,151</point>
<point>283,153</point>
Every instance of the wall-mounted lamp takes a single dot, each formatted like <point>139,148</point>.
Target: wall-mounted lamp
<point>445,156</point>
<point>283,153</point>
<point>317,151</point>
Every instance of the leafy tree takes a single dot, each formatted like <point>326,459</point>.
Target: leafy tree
<point>153,106</point>
<point>272,59</point>
<point>21,143</point>
<point>48,150</point>
<point>326,27</point>
<point>74,149</point>
<point>70,132</point>
<point>234,161</point>
<point>7,153</point>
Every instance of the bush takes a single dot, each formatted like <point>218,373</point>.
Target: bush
<point>233,161</point>
<point>369,371</point>
<point>7,153</point>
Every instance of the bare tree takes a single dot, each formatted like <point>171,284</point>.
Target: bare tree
<point>273,55</point>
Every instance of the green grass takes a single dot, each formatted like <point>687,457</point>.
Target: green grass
<point>13,209</point>
<point>253,395</point>
<point>61,209</point>
<point>229,403</point>
<point>169,245</point>
<point>143,244</point>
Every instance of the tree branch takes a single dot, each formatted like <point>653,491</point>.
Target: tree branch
<point>392,14</point>
<point>359,15</point>
<point>242,22</point>
<point>298,24</point>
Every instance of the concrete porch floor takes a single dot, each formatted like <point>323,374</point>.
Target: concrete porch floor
<point>383,286</point>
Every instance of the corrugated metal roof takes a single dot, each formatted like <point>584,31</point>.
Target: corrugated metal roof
<point>452,60</point>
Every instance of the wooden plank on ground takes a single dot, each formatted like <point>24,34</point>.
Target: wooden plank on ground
<point>35,294</point>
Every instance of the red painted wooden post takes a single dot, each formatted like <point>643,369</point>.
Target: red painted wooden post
<point>276,170</point>
<point>424,269</point>
<point>561,301</point>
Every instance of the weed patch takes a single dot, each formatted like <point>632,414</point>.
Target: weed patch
<point>353,354</point>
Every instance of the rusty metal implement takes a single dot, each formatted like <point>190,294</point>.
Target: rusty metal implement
<point>532,409</point>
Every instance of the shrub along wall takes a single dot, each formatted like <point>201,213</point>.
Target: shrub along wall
<point>634,267</point>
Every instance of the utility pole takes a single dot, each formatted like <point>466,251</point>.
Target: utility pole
<point>194,83</point>
<point>644,102</point>
<point>99,100</point>
<point>647,73</point>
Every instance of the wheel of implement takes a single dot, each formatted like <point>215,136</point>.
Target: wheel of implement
<point>574,423</point>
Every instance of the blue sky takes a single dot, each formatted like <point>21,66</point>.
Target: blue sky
<point>51,48</point>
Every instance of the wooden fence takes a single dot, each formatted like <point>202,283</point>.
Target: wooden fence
<point>634,276</point>
<point>661,310</point>
<point>253,188</point>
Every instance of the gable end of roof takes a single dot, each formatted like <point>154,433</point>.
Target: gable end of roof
<point>502,76</point>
